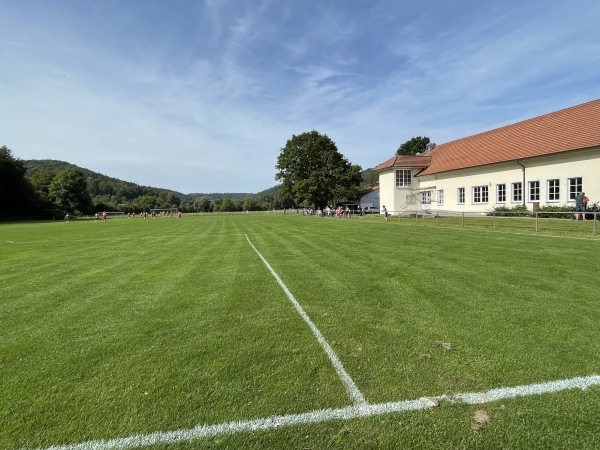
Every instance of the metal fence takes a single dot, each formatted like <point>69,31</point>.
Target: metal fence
<point>561,223</point>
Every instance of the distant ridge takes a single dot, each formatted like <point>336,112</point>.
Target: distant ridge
<point>370,178</point>
<point>35,165</point>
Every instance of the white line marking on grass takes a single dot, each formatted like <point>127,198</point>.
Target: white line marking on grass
<point>531,389</point>
<point>324,415</point>
<point>353,391</point>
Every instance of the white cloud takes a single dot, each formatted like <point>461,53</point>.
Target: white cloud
<point>203,99</point>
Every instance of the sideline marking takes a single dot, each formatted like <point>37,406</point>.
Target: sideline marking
<point>353,391</point>
<point>324,415</point>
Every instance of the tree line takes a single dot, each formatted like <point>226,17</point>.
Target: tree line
<point>45,189</point>
<point>311,169</point>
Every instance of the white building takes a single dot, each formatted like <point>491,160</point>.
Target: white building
<point>370,197</point>
<point>546,160</point>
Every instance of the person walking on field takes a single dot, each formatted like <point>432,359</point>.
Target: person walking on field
<point>385,213</point>
<point>580,203</point>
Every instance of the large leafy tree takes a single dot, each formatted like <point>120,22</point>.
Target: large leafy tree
<point>41,182</point>
<point>203,204</point>
<point>168,200</point>
<point>68,190</point>
<point>231,204</point>
<point>144,203</point>
<point>413,146</point>
<point>369,178</point>
<point>314,172</point>
<point>18,198</point>
<point>251,204</point>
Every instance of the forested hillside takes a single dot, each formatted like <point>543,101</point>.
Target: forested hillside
<point>100,184</point>
<point>49,188</point>
<point>112,194</point>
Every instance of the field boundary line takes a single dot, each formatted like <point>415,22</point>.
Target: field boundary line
<point>355,395</point>
<point>325,415</point>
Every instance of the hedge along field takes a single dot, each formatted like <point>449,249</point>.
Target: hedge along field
<point>135,326</point>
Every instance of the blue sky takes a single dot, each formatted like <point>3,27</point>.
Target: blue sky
<point>201,95</point>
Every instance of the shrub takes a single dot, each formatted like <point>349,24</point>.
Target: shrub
<point>502,210</point>
<point>556,209</point>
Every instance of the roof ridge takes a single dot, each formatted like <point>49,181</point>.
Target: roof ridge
<point>525,121</point>
<point>572,128</point>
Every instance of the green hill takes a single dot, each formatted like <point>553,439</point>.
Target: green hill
<point>113,194</point>
<point>100,184</point>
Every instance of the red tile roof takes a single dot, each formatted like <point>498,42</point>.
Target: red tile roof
<point>569,129</point>
<point>408,161</point>
<point>368,190</point>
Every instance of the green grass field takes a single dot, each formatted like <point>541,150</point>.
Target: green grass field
<point>135,327</point>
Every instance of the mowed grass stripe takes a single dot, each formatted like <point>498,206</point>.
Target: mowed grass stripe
<point>173,334</point>
<point>353,391</point>
<point>387,295</point>
<point>511,306</point>
<point>203,432</point>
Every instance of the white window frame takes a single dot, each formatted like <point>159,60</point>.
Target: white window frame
<point>440,197</point>
<point>553,190</point>
<point>425,198</point>
<point>481,194</point>
<point>501,193</point>
<point>516,192</point>
<point>533,189</point>
<point>575,186</point>
<point>460,196</point>
<point>401,178</point>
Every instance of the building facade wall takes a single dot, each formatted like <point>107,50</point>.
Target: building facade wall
<point>371,199</point>
<point>544,180</point>
<point>396,199</point>
<point>387,190</point>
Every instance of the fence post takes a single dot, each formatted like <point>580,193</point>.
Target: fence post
<point>536,223</point>
<point>463,219</point>
<point>494,219</point>
<point>594,229</point>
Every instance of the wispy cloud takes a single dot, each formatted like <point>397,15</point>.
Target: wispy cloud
<point>200,96</point>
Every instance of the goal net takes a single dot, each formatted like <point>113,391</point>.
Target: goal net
<point>164,212</point>
<point>111,214</point>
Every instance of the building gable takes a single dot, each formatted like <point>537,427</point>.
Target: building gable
<point>406,162</point>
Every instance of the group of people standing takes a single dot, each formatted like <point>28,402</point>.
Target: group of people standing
<point>339,211</point>
<point>102,214</point>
